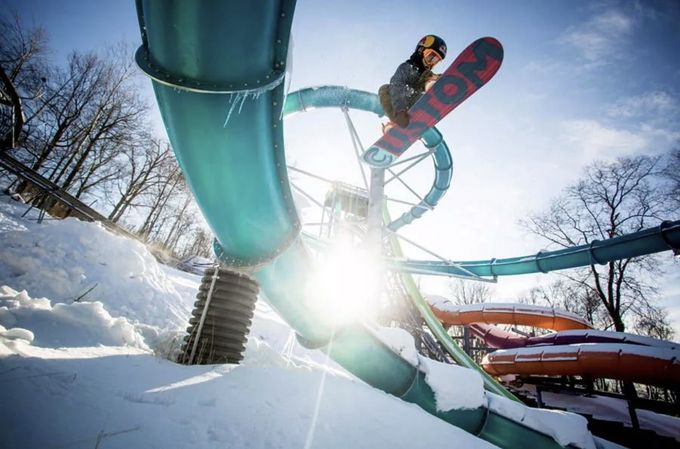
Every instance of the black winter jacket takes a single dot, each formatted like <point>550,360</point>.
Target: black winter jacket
<point>408,83</point>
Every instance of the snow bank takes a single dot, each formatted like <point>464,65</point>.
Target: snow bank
<point>16,333</point>
<point>63,260</point>
<point>59,325</point>
<point>123,398</point>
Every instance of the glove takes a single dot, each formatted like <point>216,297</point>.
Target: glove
<point>426,80</point>
<point>401,118</point>
<point>431,80</point>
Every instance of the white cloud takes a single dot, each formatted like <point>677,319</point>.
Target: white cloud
<point>657,103</point>
<point>591,140</point>
<point>598,38</point>
<point>613,23</point>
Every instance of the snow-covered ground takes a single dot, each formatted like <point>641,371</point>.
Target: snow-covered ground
<point>610,409</point>
<point>89,322</point>
<point>86,318</point>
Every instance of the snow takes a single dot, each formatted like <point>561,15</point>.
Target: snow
<point>17,333</point>
<point>195,264</point>
<point>128,398</point>
<point>604,444</point>
<point>65,259</point>
<point>611,409</point>
<point>76,324</point>
<point>89,367</point>
<point>92,372</point>
<point>454,387</point>
<point>400,342</point>
<point>566,428</point>
<point>445,380</point>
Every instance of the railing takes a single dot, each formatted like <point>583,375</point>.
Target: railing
<point>49,189</point>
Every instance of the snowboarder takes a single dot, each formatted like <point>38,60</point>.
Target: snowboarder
<point>411,79</point>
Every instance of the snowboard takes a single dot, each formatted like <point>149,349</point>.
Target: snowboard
<point>473,68</point>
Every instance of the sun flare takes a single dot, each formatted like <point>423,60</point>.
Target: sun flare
<point>345,285</point>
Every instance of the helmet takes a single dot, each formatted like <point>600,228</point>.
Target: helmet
<point>436,43</point>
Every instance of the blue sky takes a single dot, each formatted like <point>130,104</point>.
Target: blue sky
<point>581,80</point>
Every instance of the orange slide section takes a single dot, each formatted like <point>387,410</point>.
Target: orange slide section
<point>657,363</point>
<point>517,314</point>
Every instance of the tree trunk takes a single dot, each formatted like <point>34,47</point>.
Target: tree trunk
<point>176,225</point>
<point>10,141</point>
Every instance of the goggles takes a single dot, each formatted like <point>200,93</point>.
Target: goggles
<point>431,57</point>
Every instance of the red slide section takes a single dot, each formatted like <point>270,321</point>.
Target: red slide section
<point>644,364</point>
<point>498,338</point>
<point>582,351</point>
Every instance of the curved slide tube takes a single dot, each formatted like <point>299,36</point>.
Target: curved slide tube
<point>519,314</point>
<point>498,338</point>
<point>343,97</point>
<point>644,364</point>
<point>221,102</point>
<point>664,237</point>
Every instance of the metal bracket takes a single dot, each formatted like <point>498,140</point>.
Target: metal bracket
<point>664,227</point>
<point>267,81</point>
<point>591,253</point>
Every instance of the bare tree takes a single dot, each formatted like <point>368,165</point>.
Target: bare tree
<point>610,200</point>
<point>89,135</point>
<point>469,292</point>
<point>653,322</point>
<point>140,172</point>
<point>573,297</point>
<point>22,70</point>
<point>181,221</point>
<point>201,244</point>
<point>159,196</point>
<point>672,174</point>
<point>68,95</point>
<point>110,122</point>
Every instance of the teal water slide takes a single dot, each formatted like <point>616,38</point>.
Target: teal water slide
<point>218,70</point>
